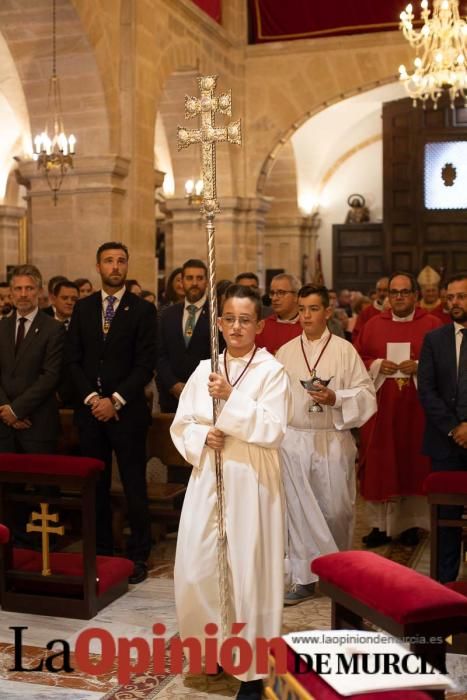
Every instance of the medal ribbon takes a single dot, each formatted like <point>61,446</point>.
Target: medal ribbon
<point>244,371</point>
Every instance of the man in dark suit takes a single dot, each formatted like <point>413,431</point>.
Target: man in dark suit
<point>111,349</point>
<point>31,349</point>
<point>442,386</point>
<point>183,339</point>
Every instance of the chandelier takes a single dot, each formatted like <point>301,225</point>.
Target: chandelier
<point>441,58</point>
<point>194,191</point>
<point>54,152</point>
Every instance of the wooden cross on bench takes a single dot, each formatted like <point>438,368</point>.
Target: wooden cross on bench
<point>45,517</point>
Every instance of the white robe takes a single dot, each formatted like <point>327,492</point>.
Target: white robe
<point>319,452</point>
<point>254,420</point>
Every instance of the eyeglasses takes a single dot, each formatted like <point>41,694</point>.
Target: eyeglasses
<point>462,296</point>
<point>280,292</point>
<point>394,293</point>
<point>243,321</point>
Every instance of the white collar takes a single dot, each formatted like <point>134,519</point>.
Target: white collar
<point>458,328</point>
<point>118,295</point>
<point>30,316</point>
<point>287,320</point>
<point>242,358</point>
<point>325,335</point>
<point>398,319</point>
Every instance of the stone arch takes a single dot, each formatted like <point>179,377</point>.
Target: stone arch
<point>83,100</point>
<point>285,137</point>
<point>14,117</point>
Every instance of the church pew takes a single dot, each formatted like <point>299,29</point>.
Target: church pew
<point>61,583</point>
<point>366,586</point>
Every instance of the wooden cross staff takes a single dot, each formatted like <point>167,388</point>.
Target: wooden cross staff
<point>208,135</point>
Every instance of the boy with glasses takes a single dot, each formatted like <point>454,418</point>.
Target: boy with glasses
<point>392,467</point>
<point>284,324</point>
<point>254,393</point>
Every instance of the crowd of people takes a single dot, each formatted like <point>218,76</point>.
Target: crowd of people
<point>309,377</point>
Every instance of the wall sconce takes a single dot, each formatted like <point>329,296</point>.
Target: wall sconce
<point>194,191</point>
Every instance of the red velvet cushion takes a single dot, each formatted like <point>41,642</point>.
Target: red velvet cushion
<point>458,586</point>
<point>49,464</point>
<point>4,534</point>
<point>446,482</point>
<point>318,688</point>
<point>110,570</point>
<point>393,589</point>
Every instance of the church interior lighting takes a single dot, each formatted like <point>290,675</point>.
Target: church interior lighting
<point>441,57</point>
<point>54,152</point>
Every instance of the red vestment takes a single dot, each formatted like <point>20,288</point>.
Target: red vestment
<point>275,333</point>
<point>362,318</point>
<point>391,462</point>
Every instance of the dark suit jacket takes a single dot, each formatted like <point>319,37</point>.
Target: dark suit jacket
<point>437,388</point>
<point>175,361</point>
<point>124,360</point>
<point>28,380</point>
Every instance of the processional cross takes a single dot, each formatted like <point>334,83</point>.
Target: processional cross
<point>45,517</point>
<point>208,134</point>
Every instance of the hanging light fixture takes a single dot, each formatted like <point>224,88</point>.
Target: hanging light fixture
<point>194,191</point>
<point>441,55</point>
<point>54,153</point>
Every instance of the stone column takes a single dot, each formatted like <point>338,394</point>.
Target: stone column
<point>284,244</point>
<point>239,235</point>
<point>63,239</point>
<point>11,237</point>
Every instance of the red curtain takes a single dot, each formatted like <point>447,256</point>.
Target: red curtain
<point>277,20</point>
<point>211,8</point>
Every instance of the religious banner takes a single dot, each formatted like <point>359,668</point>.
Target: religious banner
<point>276,20</point>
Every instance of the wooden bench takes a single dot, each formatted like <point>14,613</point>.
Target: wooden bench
<point>70,584</point>
<point>366,586</point>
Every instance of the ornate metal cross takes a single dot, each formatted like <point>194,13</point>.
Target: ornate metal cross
<point>45,517</point>
<point>208,135</point>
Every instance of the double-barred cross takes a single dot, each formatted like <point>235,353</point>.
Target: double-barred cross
<point>45,529</point>
<point>209,134</point>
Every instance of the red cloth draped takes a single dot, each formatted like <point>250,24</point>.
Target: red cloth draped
<point>211,8</point>
<point>391,462</point>
<point>276,20</point>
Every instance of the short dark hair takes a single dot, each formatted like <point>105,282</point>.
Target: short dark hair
<point>169,294</point>
<point>82,281</point>
<point>65,283</point>
<point>194,262</point>
<point>27,271</point>
<point>238,291</point>
<point>111,245</point>
<point>414,286</point>
<point>247,276</point>
<point>53,281</point>
<point>458,277</point>
<point>131,283</point>
<point>317,289</point>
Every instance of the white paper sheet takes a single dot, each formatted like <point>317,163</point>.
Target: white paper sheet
<point>342,645</point>
<point>398,352</point>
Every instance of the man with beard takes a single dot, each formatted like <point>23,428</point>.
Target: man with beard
<point>442,385</point>
<point>111,349</point>
<point>183,339</point>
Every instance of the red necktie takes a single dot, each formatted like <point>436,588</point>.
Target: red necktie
<point>20,334</point>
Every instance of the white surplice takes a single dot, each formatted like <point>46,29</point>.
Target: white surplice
<point>319,451</point>
<point>254,420</point>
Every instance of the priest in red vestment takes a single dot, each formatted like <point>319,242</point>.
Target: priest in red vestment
<point>392,467</point>
<point>376,308</point>
<point>284,325</point>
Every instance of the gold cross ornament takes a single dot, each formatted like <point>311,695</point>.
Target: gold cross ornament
<point>45,517</point>
<point>209,134</point>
